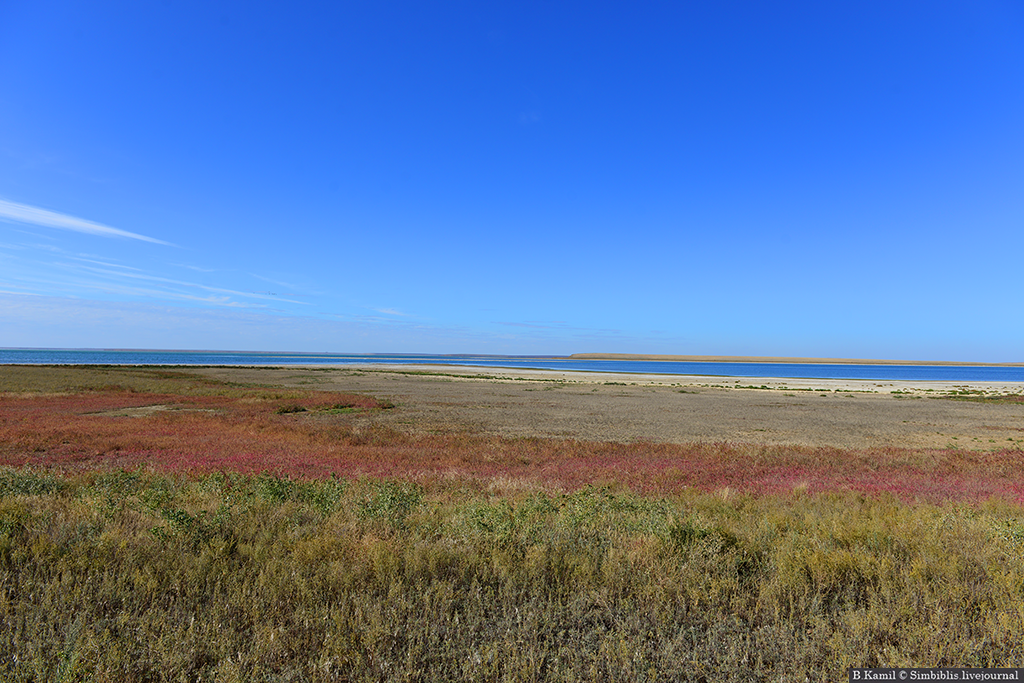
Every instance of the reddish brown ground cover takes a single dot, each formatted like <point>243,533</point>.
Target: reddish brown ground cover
<point>249,433</point>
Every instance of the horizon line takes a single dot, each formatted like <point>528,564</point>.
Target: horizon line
<point>674,358</point>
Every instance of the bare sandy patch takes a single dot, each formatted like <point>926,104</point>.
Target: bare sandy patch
<point>663,408</point>
<point>146,411</point>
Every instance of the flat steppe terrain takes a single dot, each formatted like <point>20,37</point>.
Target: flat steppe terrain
<point>387,523</point>
<point>666,408</point>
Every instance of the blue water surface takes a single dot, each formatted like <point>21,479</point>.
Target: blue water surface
<point>949,373</point>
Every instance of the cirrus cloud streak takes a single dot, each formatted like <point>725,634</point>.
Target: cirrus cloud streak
<point>32,215</point>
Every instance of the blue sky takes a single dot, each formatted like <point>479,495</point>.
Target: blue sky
<point>733,178</point>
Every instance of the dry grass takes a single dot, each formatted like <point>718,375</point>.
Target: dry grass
<point>244,544</point>
<point>133,577</point>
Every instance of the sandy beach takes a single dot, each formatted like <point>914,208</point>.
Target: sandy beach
<point>805,360</point>
<point>666,408</point>
<point>858,385</point>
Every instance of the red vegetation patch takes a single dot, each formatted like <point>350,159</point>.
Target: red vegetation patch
<point>246,434</point>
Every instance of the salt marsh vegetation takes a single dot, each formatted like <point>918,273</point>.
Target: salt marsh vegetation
<point>223,538</point>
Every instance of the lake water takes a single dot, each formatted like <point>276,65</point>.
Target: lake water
<point>949,373</point>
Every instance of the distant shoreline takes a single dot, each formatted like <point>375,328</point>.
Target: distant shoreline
<point>779,359</point>
<point>415,357</point>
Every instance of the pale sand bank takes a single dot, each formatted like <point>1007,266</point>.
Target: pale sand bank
<point>781,359</point>
<point>858,385</point>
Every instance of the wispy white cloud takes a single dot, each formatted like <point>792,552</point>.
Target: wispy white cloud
<point>41,320</point>
<point>23,213</point>
<point>218,290</point>
<point>103,263</point>
<point>274,282</point>
<point>195,268</point>
<point>48,321</point>
<point>77,287</point>
<point>388,320</point>
<point>391,311</point>
<point>553,325</point>
<point>74,275</point>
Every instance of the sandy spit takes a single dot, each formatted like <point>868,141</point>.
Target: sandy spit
<point>855,385</point>
<point>780,359</point>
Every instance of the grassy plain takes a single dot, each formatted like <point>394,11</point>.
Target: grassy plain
<point>165,525</point>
